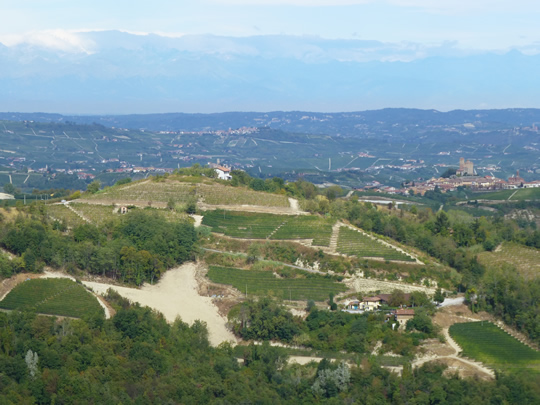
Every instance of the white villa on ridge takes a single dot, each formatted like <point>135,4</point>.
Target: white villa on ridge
<point>224,173</point>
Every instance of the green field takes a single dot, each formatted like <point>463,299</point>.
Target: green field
<point>268,226</point>
<point>266,283</point>
<point>485,342</point>
<point>354,243</point>
<point>306,227</point>
<point>61,297</point>
<point>514,195</point>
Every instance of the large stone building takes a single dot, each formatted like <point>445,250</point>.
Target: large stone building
<point>466,168</point>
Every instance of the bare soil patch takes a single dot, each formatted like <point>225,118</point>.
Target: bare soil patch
<point>177,295</point>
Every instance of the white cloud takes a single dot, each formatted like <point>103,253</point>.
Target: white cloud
<point>61,40</point>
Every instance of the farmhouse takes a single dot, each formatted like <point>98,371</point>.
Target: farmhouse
<point>371,303</point>
<point>223,173</point>
<point>403,315</point>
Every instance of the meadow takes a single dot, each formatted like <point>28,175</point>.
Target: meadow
<point>265,283</point>
<point>354,243</point>
<point>485,342</point>
<point>61,297</point>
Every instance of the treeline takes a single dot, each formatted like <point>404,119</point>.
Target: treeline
<point>137,358</point>
<point>137,247</point>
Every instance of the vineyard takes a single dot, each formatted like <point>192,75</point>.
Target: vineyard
<point>265,283</point>
<point>306,227</point>
<point>164,191</point>
<point>485,342</point>
<point>355,243</point>
<point>61,212</point>
<point>97,214</point>
<point>526,260</point>
<point>216,194</point>
<point>61,297</point>
<point>267,226</point>
<point>100,214</point>
<point>148,191</point>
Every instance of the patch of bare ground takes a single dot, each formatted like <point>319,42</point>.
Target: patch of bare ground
<point>177,295</point>
<point>135,203</point>
<point>366,285</point>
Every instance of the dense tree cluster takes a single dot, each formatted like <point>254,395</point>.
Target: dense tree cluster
<point>138,358</point>
<point>136,248</point>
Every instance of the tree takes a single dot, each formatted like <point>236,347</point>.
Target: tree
<point>94,187</point>
<point>438,296</point>
<point>9,188</point>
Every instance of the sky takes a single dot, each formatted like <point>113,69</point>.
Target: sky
<point>479,25</point>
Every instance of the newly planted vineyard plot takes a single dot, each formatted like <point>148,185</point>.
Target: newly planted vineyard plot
<point>61,297</point>
<point>487,343</point>
<point>306,227</point>
<point>266,283</point>
<point>354,243</point>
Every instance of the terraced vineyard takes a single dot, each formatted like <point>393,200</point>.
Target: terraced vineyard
<point>265,283</point>
<point>306,227</point>
<point>262,226</point>
<point>354,243</point>
<point>61,297</point>
<point>243,224</point>
<point>61,212</point>
<point>485,342</point>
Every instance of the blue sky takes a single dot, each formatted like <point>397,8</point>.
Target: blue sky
<point>470,24</point>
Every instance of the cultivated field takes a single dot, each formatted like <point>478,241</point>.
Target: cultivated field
<point>485,342</point>
<point>512,194</point>
<point>61,297</point>
<point>267,226</point>
<point>164,191</point>
<point>355,243</point>
<point>61,212</point>
<point>525,260</point>
<point>266,283</point>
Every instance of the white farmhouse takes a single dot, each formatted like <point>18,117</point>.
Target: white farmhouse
<point>224,173</point>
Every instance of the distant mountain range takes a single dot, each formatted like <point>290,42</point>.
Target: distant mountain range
<point>390,122</point>
<point>117,73</point>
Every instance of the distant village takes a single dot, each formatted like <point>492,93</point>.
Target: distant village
<point>465,177</point>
